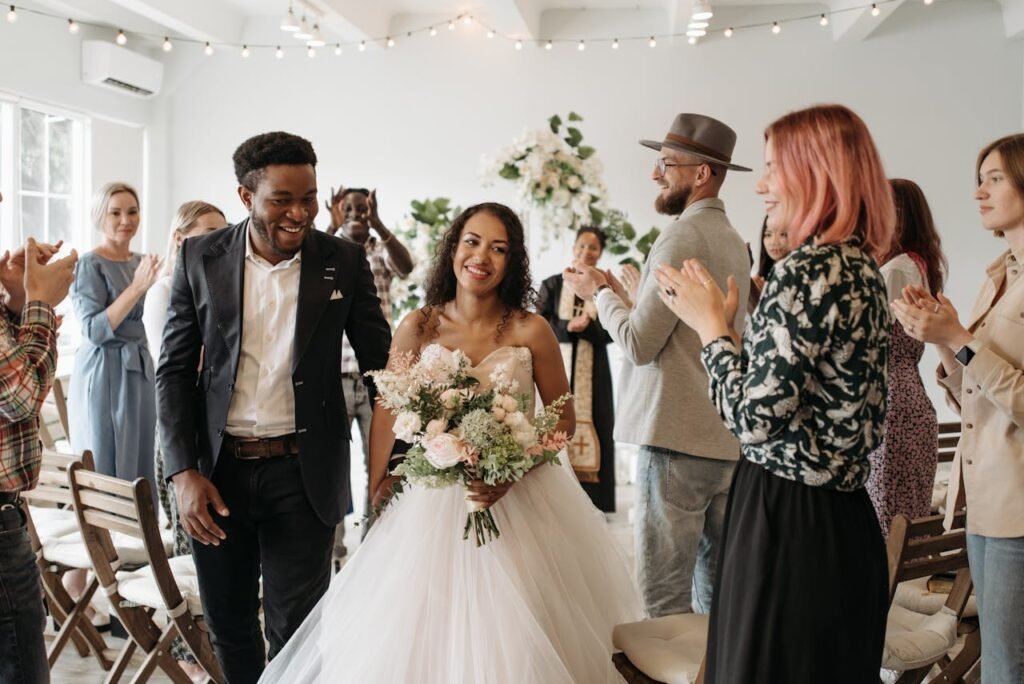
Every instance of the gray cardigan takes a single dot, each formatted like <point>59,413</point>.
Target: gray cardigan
<point>663,390</point>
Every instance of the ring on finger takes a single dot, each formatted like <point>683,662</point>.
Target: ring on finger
<point>704,283</point>
<point>936,309</point>
<point>670,292</point>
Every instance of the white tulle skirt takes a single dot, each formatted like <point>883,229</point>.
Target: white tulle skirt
<point>418,604</point>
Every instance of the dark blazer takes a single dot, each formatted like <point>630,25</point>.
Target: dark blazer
<point>205,313</point>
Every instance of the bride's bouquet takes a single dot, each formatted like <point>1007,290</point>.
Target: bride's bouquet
<point>461,433</point>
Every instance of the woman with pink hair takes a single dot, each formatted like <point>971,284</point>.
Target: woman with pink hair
<point>802,592</point>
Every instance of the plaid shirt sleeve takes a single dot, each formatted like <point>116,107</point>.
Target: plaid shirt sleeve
<point>383,273</point>
<point>28,360</point>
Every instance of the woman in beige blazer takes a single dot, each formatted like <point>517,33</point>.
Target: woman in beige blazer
<point>982,371</point>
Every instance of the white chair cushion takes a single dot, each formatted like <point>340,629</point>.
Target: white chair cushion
<point>140,588</point>
<point>52,522</point>
<point>669,649</point>
<point>914,595</point>
<point>915,639</point>
<point>69,549</point>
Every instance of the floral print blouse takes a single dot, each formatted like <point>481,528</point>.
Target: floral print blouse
<point>806,396</point>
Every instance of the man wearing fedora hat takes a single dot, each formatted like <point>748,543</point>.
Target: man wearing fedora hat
<point>686,454</point>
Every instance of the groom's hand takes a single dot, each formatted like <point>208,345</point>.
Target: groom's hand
<point>195,495</point>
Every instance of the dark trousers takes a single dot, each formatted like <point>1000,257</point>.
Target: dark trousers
<point>272,527</point>
<point>22,649</point>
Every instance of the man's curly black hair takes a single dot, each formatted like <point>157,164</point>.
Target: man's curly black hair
<point>266,149</point>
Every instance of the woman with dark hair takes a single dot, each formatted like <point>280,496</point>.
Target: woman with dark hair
<point>584,344</point>
<point>802,591</point>
<point>982,373</point>
<point>536,605</point>
<point>903,467</point>
<point>774,247</point>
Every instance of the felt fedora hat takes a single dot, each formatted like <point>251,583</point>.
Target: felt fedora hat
<point>701,136</point>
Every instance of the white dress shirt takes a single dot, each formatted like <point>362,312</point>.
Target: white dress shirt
<point>263,400</point>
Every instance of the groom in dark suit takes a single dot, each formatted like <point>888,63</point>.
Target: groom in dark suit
<point>252,417</point>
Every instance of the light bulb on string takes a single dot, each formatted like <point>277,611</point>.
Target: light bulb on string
<point>691,40</point>
<point>467,20</point>
<point>337,50</point>
<point>311,52</point>
<point>728,32</point>
<point>451,25</point>
<point>279,53</point>
<point>824,20</point>
<point>168,45</point>
<point>519,45</point>
<point>490,33</point>
<point>615,44</point>
<point>548,45</point>
<point>121,38</point>
<point>874,10</point>
<point>245,52</point>
<point>391,42</point>
<point>362,46</point>
<point>653,43</point>
<point>208,50</point>
<point>12,15</point>
<point>582,46</point>
<point>433,31</point>
<point>776,29</point>
<point>72,26</point>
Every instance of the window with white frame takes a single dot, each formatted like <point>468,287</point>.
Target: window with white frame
<point>42,174</point>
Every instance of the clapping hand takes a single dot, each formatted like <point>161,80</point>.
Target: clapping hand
<point>334,207</point>
<point>583,280</point>
<point>147,272</point>
<point>578,323</point>
<point>631,279</point>
<point>930,319</point>
<point>12,272</point>
<point>694,297</point>
<point>371,202</point>
<point>44,281</point>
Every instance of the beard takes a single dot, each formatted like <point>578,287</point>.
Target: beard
<point>674,202</point>
<point>264,232</point>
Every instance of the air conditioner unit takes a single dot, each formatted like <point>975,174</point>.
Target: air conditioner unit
<point>109,65</point>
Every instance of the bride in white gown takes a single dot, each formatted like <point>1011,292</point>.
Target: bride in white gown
<point>416,602</point>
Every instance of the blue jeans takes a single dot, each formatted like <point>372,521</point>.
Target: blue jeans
<point>680,510</point>
<point>22,648</point>
<point>997,568</point>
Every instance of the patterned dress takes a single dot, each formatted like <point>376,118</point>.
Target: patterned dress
<point>903,468</point>
<point>802,592</point>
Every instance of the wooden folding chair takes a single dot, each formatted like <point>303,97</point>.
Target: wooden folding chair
<point>915,642</point>
<point>949,438</point>
<point>106,505</point>
<point>48,512</point>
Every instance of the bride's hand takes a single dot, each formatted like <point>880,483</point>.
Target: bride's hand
<point>384,491</point>
<point>481,492</point>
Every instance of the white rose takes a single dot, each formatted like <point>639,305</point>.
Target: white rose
<point>444,450</point>
<point>498,412</point>
<point>574,182</point>
<point>561,197</point>
<point>436,427</point>
<point>509,404</point>
<point>407,424</point>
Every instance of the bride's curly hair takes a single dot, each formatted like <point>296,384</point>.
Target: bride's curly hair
<point>516,289</point>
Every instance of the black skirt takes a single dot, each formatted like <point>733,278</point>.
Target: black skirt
<point>802,591</point>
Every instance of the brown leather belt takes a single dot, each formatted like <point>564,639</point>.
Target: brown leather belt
<point>249,449</point>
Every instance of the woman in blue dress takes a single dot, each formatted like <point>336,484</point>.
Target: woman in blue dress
<point>112,403</point>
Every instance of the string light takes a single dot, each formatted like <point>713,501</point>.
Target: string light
<point>245,51</point>
<point>337,50</point>
<point>548,45</point>
<point>519,45</point>
<point>467,20</point>
<point>311,52</point>
<point>615,44</point>
<point>776,29</point>
<point>490,33</point>
<point>433,31</point>
<point>121,38</point>
<point>653,43</point>
<point>12,15</point>
<point>279,53</point>
<point>691,40</point>
<point>362,46</point>
<point>72,26</point>
<point>582,46</point>
<point>391,42</point>
<point>728,32</point>
<point>874,10</point>
<point>208,50</point>
<point>824,20</point>
<point>451,25</point>
<point>168,45</point>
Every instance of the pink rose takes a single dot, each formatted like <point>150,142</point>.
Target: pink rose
<point>445,450</point>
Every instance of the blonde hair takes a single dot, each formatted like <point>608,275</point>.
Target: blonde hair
<point>185,219</point>
<point>101,201</point>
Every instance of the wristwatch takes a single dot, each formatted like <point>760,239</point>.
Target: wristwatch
<point>966,353</point>
<point>602,286</point>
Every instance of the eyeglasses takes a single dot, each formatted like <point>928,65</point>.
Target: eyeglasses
<point>663,164</point>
